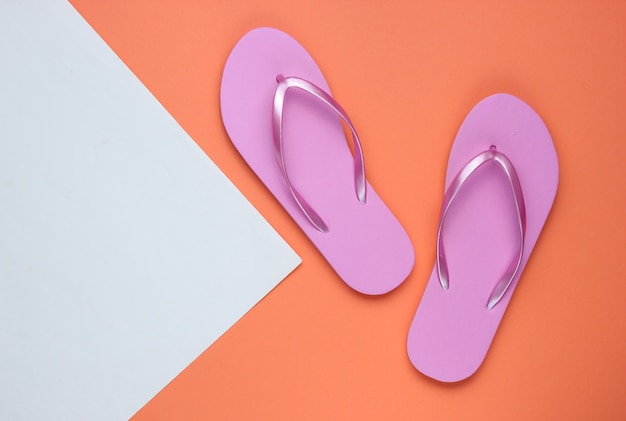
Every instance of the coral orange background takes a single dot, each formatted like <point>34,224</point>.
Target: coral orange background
<point>314,349</point>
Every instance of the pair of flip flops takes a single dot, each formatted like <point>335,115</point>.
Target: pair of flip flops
<point>500,185</point>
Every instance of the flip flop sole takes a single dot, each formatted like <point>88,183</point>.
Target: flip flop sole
<point>365,244</point>
<point>453,330</point>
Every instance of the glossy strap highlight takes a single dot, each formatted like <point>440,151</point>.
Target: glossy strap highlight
<point>507,278</point>
<point>284,84</point>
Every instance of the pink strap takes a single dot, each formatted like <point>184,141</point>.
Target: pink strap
<point>505,281</point>
<point>284,83</point>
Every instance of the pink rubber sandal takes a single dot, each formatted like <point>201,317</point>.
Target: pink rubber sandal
<point>279,114</point>
<point>500,185</point>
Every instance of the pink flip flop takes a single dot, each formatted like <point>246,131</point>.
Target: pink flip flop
<point>279,114</point>
<point>500,185</point>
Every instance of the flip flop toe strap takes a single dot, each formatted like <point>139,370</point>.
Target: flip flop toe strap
<point>284,84</point>
<point>459,181</point>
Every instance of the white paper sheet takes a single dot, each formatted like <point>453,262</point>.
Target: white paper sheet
<point>124,251</point>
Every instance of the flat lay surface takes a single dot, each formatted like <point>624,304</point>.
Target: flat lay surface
<point>116,260</point>
<point>408,73</point>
